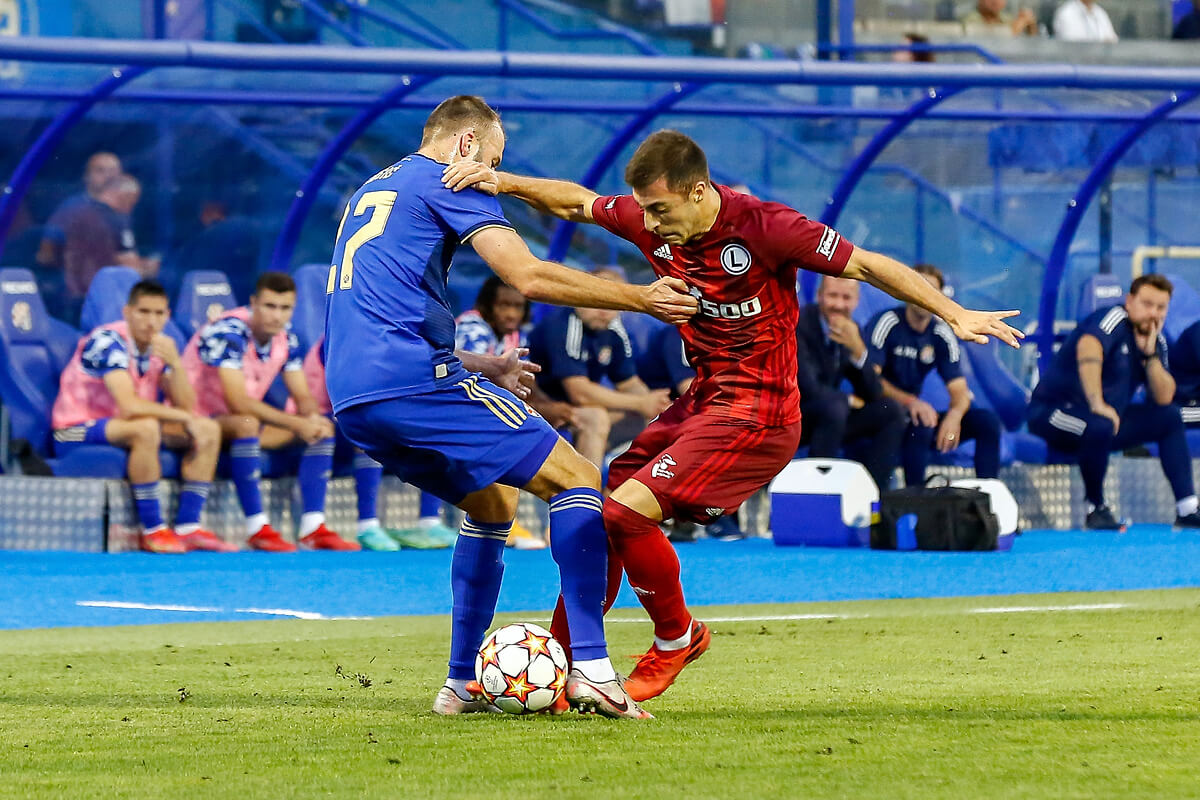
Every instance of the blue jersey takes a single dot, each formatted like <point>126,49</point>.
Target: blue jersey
<point>1122,371</point>
<point>1185,365</point>
<point>107,350</point>
<point>906,356</point>
<point>389,330</point>
<point>665,365</point>
<point>223,343</point>
<point>566,348</point>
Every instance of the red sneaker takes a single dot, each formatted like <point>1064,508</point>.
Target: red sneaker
<point>657,669</point>
<point>268,540</point>
<point>162,540</point>
<point>201,539</point>
<point>324,539</point>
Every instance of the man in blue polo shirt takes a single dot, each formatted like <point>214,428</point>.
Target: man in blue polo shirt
<point>1084,402</point>
<point>583,352</point>
<point>906,343</point>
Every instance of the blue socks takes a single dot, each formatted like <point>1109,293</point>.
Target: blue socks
<point>316,465</point>
<point>191,503</point>
<point>243,464</point>
<point>580,548</point>
<point>367,475</point>
<point>475,573</point>
<point>149,510</point>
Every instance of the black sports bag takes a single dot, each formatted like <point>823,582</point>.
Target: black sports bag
<point>948,518</point>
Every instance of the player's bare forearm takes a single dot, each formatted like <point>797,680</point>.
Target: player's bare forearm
<point>180,390</point>
<point>138,407</point>
<point>1089,356</point>
<point>1160,382</point>
<point>960,396</point>
<point>905,284</point>
<point>585,392</point>
<point>563,199</point>
<point>899,395</point>
<point>485,365</point>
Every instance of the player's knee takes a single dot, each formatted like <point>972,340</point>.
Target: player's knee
<point>206,436</point>
<point>582,474</point>
<point>497,504</point>
<point>593,420</point>
<point>145,433</point>
<point>244,426</point>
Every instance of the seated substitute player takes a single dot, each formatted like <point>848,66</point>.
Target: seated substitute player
<point>1083,404</point>
<point>368,473</point>
<point>1185,369</point>
<point>232,362</point>
<point>739,423</point>
<point>108,394</point>
<point>906,343</point>
<point>829,350</point>
<point>578,349</point>
<point>452,423</point>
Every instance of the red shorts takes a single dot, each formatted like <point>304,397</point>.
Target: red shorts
<point>703,466</point>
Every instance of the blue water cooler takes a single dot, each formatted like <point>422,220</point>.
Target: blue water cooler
<point>823,502</point>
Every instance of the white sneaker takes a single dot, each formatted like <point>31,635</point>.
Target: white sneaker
<point>607,698</point>
<point>448,703</point>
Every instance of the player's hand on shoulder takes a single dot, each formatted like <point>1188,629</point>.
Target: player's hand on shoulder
<point>977,326</point>
<point>165,348</point>
<point>669,300</point>
<point>470,175</point>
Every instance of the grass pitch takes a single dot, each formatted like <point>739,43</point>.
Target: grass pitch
<point>892,699</point>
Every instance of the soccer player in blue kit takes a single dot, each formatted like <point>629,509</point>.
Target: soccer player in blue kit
<point>453,424</point>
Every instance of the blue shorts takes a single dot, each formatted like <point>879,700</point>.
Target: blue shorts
<point>90,432</point>
<point>455,440</point>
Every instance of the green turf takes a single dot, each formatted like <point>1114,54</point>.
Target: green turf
<point>905,698</point>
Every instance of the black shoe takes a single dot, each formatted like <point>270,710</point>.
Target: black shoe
<point>726,529</point>
<point>1192,520</point>
<point>682,532</point>
<point>1101,519</point>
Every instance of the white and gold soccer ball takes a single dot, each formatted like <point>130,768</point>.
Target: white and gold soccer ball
<point>522,668</point>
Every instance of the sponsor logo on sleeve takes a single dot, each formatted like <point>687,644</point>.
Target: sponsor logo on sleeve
<point>829,243</point>
<point>612,201</point>
<point>662,468</point>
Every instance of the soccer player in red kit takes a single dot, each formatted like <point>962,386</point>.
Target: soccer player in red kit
<point>739,423</point>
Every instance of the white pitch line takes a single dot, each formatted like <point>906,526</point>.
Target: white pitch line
<point>1019,609</point>
<point>273,612</point>
<point>764,618</point>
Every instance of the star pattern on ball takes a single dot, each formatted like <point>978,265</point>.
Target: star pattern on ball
<point>488,654</point>
<point>536,644</point>
<point>560,680</point>
<point>518,687</point>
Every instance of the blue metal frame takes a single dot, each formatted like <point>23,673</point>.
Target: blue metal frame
<point>306,195</point>
<point>1077,207</point>
<point>329,22</point>
<point>604,29</point>
<point>41,150</point>
<point>844,49</point>
<point>424,37</point>
<point>563,232</point>
<point>863,161</point>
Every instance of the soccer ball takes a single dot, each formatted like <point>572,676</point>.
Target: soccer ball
<point>522,668</point>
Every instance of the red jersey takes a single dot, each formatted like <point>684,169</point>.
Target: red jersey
<point>742,341</point>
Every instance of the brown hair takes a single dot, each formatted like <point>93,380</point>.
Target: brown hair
<point>1155,281</point>
<point>456,113</point>
<point>146,288</point>
<point>279,282</point>
<point>668,154</point>
<point>931,271</point>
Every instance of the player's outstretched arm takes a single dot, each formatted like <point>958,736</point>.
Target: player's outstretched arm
<point>563,199</point>
<point>904,284</point>
<point>546,282</point>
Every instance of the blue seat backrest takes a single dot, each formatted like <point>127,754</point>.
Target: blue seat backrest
<point>203,296</point>
<point>1006,395</point>
<point>29,364</point>
<point>1184,309</point>
<point>1098,291</point>
<point>309,319</point>
<point>107,295</point>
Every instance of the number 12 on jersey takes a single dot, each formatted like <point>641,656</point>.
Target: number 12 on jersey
<point>380,204</point>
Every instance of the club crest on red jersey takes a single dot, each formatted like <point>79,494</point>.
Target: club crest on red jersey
<point>735,259</point>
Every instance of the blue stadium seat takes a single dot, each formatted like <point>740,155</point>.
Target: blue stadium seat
<point>34,350</point>
<point>106,296</point>
<point>1006,395</point>
<point>309,320</point>
<point>1185,307</point>
<point>1098,291</point>
<point>203,296</point>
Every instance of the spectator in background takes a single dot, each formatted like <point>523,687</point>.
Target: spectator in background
<point>108,394</point>
<point>223,242</point>
<point>1189,26</point>
<point>1083,21</point>
<point>1083,404</point>
<point>911,56</point>
<point>989,17</point>
<point>830,350</point>
<point>96,232</point>
<point>232,362</point>
<point>906,343</point>
<point>581,350</point>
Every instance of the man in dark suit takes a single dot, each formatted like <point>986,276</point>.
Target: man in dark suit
<point>830,349</point>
